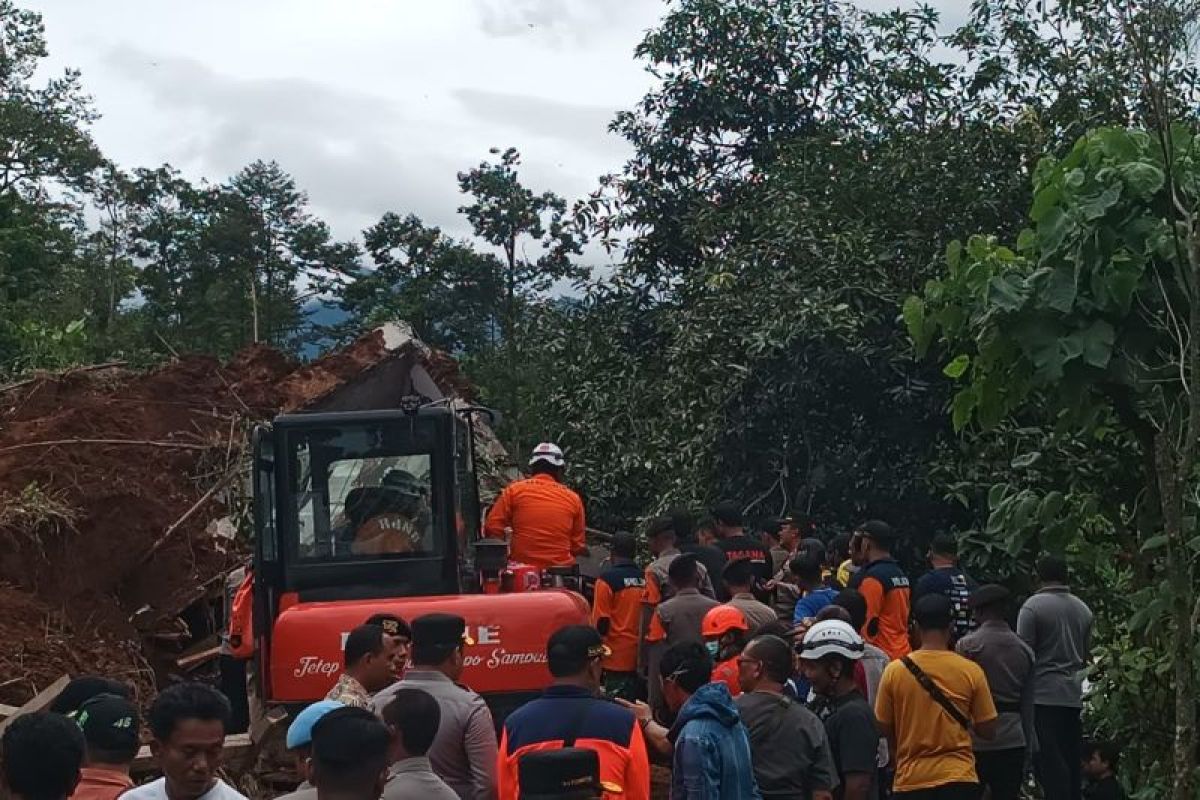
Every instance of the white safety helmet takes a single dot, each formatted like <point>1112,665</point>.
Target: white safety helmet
<point>550,453</point>
<point>832,637</point>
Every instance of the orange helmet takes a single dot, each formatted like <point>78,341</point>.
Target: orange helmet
<point>720,620</point>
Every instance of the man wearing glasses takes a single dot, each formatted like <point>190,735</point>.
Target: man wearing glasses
<point>791,753</point>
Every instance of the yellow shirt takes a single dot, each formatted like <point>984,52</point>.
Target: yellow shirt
<point>931,748</point>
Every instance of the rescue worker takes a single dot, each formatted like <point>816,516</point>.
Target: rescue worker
<point>725,633</point>
<point>616,614</point>
<point>885,587</point>
<point>463,753</point>
<point>568,714</point>
<point>391,518</point>
<point>367,667</point>
<point>733,541</point>
<point>543,519</point>
<point>679,619</point>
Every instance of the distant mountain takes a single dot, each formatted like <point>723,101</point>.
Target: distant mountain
<point>321,314</point>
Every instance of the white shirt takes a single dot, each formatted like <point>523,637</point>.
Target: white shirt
<point>157,790</point>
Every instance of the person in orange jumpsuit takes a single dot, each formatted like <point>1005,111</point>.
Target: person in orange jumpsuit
<point>543,519</point>
<point>885,587</point>
<point>725,631</point>
<point>616,614</point>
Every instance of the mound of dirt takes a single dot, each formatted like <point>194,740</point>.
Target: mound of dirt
<point>112,480</point>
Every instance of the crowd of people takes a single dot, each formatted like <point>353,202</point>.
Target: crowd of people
<point>755,665</point>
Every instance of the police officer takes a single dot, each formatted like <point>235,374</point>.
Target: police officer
<point>569,773</point>
<point>463,753</point>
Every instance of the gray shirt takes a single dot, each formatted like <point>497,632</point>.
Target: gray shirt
<point>657,572</point>
<point>1008,664</point>
<point>757,614</point>
<point>414,778</point>
<point>789,746</point>
<point>1057,625</point>
<point>463,753</point>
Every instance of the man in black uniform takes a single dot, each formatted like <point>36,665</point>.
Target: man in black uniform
<point>733,541</point>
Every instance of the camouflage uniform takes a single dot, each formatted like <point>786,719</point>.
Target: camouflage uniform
<point>350,692</point>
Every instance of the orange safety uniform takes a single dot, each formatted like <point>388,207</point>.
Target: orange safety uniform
<point>885,587</point>
<point>546,519</point>
<point>616,613</point>
<point>727,673</point>
<point>572,713</point>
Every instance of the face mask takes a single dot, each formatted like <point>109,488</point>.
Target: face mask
<point>714,648</point>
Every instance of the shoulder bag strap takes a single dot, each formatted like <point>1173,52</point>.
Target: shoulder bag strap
<point>936,693</point>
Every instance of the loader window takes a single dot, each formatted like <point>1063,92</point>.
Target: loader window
<point>356,499</point>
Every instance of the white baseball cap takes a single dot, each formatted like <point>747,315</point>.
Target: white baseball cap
<point>550,453</point>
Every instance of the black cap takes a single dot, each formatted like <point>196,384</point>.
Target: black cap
<point>109,722</point>
<point>988,595</point>
<point>439,630</point>
<point>575,645</point>
<point>727,512</point>
<point>569,773</point>
<point>879,531</point>
<point>391,624</point>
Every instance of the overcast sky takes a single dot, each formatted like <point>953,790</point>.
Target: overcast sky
<point>373,105</point>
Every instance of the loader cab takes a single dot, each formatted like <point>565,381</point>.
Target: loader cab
<point>361,505</point>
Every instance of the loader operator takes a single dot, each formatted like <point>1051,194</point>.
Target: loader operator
<point>543,519</point>
<point>391,518</point>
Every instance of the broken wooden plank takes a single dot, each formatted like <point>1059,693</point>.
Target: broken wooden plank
<point>190,661</point>
<point>237,746</point>
<point>39,702</point>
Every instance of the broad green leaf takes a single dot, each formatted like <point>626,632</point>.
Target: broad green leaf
<point>1096,206</point>
<point>996,494</point>
<point>1156,542</point>
<point>1117,144</point>
<point>1098,344</point>
<point>956,368</point>
<point>1026,460</point>
<point>1061,289</point>
<point>1052,504</point>
<point>1044,201</point>
<point>962,407</point>
<point>1144,180</point>
<point>913,313</point>
<point>1026,240</point>
<point>1052,229</point>
<point>954,254</point>
<point>1007,292</point>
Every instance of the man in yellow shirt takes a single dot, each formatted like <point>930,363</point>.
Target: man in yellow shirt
<point>929,702</point>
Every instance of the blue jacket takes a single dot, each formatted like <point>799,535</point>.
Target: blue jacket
<point>712,750</point>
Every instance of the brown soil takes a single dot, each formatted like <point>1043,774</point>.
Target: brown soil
<point>96,466</point>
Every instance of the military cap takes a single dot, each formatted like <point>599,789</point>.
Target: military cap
<point>440,630</point>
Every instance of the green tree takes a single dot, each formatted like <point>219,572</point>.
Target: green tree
<point>1093,314</point>
<point>450,293</point>
<point>506,214</point>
